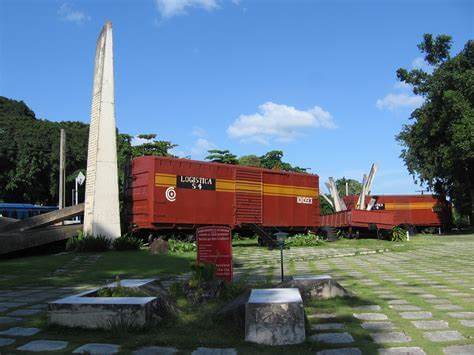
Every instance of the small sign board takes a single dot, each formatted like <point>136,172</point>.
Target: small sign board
<point>195,182</point>
<point>80,178</point>
<point>215,247</point>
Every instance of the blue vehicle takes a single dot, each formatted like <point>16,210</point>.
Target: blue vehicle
<point>23,210</point>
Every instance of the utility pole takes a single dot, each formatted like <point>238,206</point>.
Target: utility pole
<point>62,169</point>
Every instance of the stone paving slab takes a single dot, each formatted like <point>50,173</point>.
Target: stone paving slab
<point>370,316</point>
<point>20,332</point>
<point>444,335</point>
<point>416,315</point>
<point>12,304</point>
<point>44,345</point>
<point>6,341</point>
<point>212,351</point>
<point>378,325</point>
<point>328,326</point>
<point>448,307</point>
<point>155,350</point>
<point>459,350</point>
<point>97,349</point>
<point>430,324</point>
<point>398,302</point>
<point>24,312</point>
<point>374,307</point>
<point>342,351</point>
<point>322,316</point>
<point>390,337</point>
<point>412,350</point>
<point>467,322</point>
<point>9,320</point>
<point>405,307</point>
<point>332,338</point>
<point>461,314</point>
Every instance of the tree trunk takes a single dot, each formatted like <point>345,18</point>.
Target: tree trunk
<point>471,215</point>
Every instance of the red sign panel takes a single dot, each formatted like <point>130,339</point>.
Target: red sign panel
<point>215,247</point>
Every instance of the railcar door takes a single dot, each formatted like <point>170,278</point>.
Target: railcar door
<point>248,196</point>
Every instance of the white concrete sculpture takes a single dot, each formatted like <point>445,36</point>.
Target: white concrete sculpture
<point>101,213</point>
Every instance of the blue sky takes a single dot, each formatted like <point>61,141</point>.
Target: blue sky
<point>315,79</point>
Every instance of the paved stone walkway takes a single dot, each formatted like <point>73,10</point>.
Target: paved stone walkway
<point>406,300</point>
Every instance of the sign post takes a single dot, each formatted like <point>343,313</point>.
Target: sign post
<point>281,243</point>
<point>80,178</point>
<point>215,247</point>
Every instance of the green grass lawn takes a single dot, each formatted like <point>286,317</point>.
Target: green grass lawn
<point>39,270</point>
<point>196,325</point>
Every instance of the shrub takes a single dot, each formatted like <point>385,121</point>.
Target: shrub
<point>398,234</point>
<point>120,291</point>
<point>304,240</point>
<point>84,243</point>
<point>127,241</point>
<point>178,246</point>
<point>203,272</point>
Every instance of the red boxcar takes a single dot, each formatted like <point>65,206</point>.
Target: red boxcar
<point>392,210</point>
<point>172,193</point>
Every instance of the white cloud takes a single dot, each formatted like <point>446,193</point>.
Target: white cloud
<point>199,132</point>
<point>200,148</point>
<point>401,85</point>
<point>170,8</point>
<point>280,122</point>
<point>394,101</point>
<point>67,13</point>
<point>138,141</point>
<point>420,63</point>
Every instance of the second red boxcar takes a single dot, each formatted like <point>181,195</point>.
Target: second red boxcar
<point>172,193</point>
<point>389,211</point>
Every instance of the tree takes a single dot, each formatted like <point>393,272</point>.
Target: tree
<point>273,160</point>
<point>355,187</point>
<point>250,160</point>
<point>29,154</point>
<point>152,146</point>
<point>324,207</point>
<point>221,156</point>
<point>438,146</point>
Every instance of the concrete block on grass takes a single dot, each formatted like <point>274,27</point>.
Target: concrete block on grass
<point>275,317</point>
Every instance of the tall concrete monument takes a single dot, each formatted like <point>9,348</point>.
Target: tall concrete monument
<point>101,212</point>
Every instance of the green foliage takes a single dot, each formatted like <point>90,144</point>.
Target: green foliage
<point>221,156</point>
<point>178,246</point>
<point>304,240</point>
<point>398,234</point>
<point>438,146</point>
<point>250,160</point>
<point>354,186</point>
<point>202,272</point>
<point>29,154</point>
<point>273,160</point>
<point>120,291</point>
<point>85,243</point>
<point>152,146</point>
<point>13,108</point>
<point>232,290</point>
<point>324,207</point>
<point>128,241</point>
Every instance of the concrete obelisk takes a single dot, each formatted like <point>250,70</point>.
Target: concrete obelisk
<point>101,213</point>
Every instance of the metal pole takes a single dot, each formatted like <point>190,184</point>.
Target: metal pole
<point>62,169</point>
<point>76,200</point>
<point>281,263</point>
